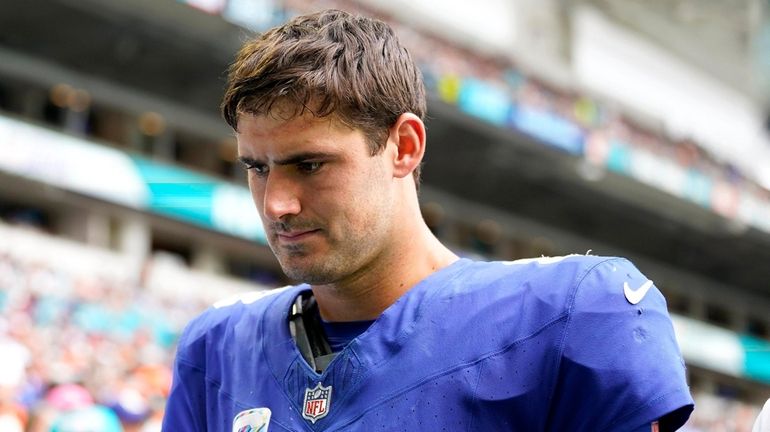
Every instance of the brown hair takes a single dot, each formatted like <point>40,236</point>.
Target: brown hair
<point>329,63</point>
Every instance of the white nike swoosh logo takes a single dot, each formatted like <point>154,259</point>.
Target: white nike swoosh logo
<point>635,296</point>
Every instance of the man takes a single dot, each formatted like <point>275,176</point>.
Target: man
<point>390,330</point>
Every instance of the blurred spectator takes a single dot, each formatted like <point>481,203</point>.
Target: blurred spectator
<point>13,416</point>
<point>82,351</point>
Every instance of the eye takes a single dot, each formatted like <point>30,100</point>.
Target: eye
<point>309,167</point>
<point>257,168</point>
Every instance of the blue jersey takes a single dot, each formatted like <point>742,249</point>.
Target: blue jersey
<point>578,343</point>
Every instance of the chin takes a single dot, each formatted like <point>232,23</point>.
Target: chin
<point>306,272</point>
<point>311,274</point>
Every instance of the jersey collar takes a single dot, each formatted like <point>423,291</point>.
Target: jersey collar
<point>372,348</point>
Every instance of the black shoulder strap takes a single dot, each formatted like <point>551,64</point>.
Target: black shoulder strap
<point>308,334</point>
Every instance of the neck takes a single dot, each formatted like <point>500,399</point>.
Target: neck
<point>366,294</point>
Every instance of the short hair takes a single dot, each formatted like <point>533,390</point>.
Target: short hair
<point>329,63</point>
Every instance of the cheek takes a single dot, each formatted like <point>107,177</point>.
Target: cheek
<point>369,198</point>
<point>257,195</point>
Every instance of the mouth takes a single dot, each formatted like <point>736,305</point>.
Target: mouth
<point>295,236</point>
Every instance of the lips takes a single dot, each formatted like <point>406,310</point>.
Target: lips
<point>293,236</point>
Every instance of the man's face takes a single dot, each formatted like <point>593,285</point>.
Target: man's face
<point>327,205</point>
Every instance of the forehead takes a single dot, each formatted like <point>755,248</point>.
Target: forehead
<point>272,133</point>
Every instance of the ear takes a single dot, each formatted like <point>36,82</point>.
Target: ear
<point>408,133</point>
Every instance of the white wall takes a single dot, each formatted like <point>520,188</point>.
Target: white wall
<point>624,67</point>
<point>488,24</point>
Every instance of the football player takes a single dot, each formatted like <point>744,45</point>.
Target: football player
<point>389,330</point>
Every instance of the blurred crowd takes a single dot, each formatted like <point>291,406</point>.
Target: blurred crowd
<point>83,352</point>
<point>715,413</point>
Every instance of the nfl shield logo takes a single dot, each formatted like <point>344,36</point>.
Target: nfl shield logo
<point>317,401</point>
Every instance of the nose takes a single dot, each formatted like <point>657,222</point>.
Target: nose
<point>281,197</point>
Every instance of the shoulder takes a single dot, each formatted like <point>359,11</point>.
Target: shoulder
<point>581,277</point>
<point>619,345</point>
<point>555,280</point>
<point>533,293</point>
<point>218,321</point>
<point>593,285</point>
<point>568,268</point>
<point>555,287</point>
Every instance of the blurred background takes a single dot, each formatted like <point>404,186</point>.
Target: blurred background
<point>620,127</point>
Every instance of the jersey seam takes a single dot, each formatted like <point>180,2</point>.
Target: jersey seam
<point>263,316</point>
<point>219,389</point>
<point>404,334</point>
<point>637,410</point>
<point>570,307</point>
<point>454,368</point>
<point>349,394</point>
<point>475,398</point>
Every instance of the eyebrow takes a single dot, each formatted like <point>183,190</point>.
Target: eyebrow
<point>293,159</point>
